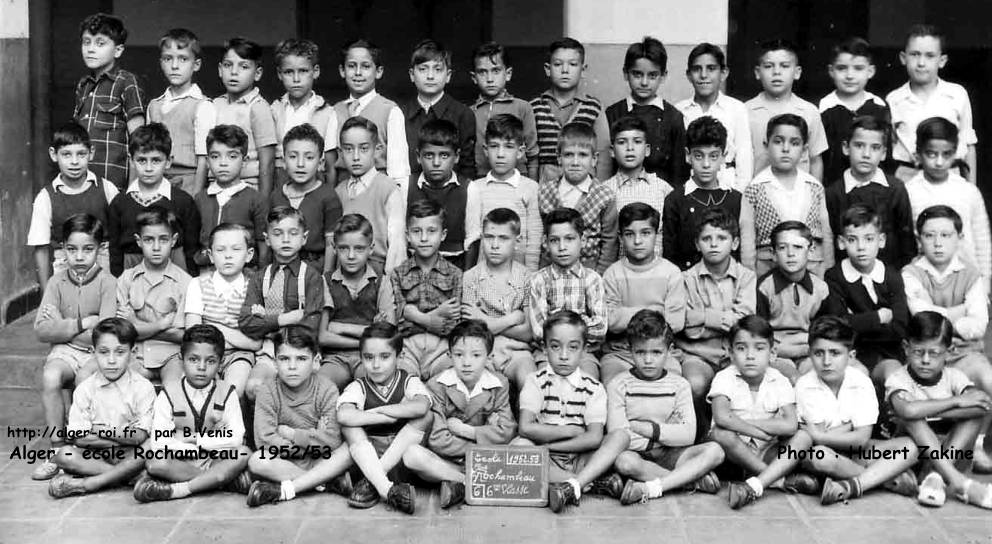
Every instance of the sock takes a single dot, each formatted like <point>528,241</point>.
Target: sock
<point>854,485</point>
<point>575,485</point>
<point>654,488</point>
<point>180,490</point>
<point>288,490</point>
<point>754,483</point>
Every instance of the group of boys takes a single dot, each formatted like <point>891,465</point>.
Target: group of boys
<point>646,319</point>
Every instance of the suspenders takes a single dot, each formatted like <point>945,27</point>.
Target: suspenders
<point>300,283</point>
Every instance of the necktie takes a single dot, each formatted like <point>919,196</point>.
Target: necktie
<point>353,108</point>
<point>276,303</point>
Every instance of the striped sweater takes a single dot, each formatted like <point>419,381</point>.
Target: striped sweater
<point>665,401</point>
<point>548,127</point>
<point>218,308</point>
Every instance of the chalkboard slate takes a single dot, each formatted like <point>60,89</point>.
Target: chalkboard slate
<point>506,476</point>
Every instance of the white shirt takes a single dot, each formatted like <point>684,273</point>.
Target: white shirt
<point>426,106</point>
<point>791,204</point>
<point>948,100</point>
<point>855,402</point>
<point>298,116</point>
<point>732,114</point>
<point>486,381</point>
<point>164,188</point>
<point>952,383</point>
<point>833,99</point>
<point>850,183</point>
<point>976,319</point>
<point>231,420</point>
<point>397,152</point>
<point>40,231</point>
<point>354,393</point>
<point>773,393</point>
<point>570,195</point>
<point>204,119</point>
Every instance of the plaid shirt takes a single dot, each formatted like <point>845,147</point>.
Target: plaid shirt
<point>599,213</point>
<point>104,104</point>
<point>425,290</point>
<point>576,288</point>
<point>496,298</point>
<point>645,187</point>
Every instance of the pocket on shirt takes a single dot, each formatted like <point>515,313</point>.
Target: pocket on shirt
<point>446,284</point>
<point>108,112</point>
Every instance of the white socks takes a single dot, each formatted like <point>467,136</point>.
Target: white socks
<point>754,483</point>
<point>575,485</point>
<point>180,490</point>
<point>288,490</point>
<point>654,488</point>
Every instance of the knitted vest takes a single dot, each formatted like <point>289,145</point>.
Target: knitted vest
<point>179,120</point>
<point>319,119</point>
<point>548,127</point>
<point>371,204</point>
<point>374,400</point>
<point>301,283</point>
<point>571,412</point>
<point>948,293</point>
<point>376,111</point>
<point>212,413</point>
<point>215,308</point>
<point>590,207</point>
<point>92,201</point>
<point>239,114</point>
<point>360,310</point>
<point>452,198</point>
<point>766,216</point>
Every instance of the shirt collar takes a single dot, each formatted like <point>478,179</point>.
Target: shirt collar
<point>733,271</point>
<point>293,266</point>
<point>216,189</point>
<point>513,180</point>
<point>781,282</point>
<point>833,99</point>
<point>766,176</point>
<point>171,270</point>
<point>657,102</point>
<point>425,106</point>
<point>574,379</point>
<point>110,74</point>
<point>287,195</point>
<point>850,183</point>
<point>906,92</point>
<point>314,101</point>
<point>125,379</point>
<point>221,284</point>
<point>87,276</point>
<point>503,97</point>
<point>955,265</point>
<point>90,178</point>
<point>192,92</point>
<point>421,180</point>
<point>164,188</point>
<point>852,275</point>
<point>369,274</point>
<point>487,381</point>
<point>364,180</point>
<point>550,97</point>
<point>247,98</point>
<point>576,270</point>
<point>771,375</point>
<point>691,186</point>
<point>691,104</point>
<point>364,100</point>
<point>584,186</point>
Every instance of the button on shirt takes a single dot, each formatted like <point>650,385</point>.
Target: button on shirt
<point>948,100</point>
<point>732,114</point>
<point>126,402</point>
<point>854,403</point>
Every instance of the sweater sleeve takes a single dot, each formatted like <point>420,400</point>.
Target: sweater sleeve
<point>49,324</point>
<point>501,428</point>
<point>267,418</point>
<point>190,217</point>
<point>114,236</point>
<point>609,248</point>
<point>680,428</point>
<point>327,432</point>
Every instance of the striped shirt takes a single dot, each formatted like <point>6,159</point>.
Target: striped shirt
<point>518,193</point>
<point>104,104</point>
<point>644,187</point>
<point>216,299</point>
<point>576,399</point>
<point>666,401</point>
<point>576,288</point>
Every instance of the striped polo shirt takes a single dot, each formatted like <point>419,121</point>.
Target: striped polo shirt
<point>576,399</point>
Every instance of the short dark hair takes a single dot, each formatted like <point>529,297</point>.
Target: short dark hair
<point>638,211</point>
<point>108,25</point>
<point>787,119</point>
<point>86,224</point>
<point>935,128</point>
<point>117,327</point>
<point>233,227</point>
<point>628,123</point>
<point>279,213</point>
<point>471,328</point>
<point>363,123</point>
<point>577,133</point>
<point>832,328</point>
<point>860,215</point>
<point>648,48</point>
<point>929,325</point>
<point>361,43</point>
<point>430,50</point>
<point>939,211</point>
<point>425,207</point>
<point>297,48</point>
<point>491,50</point>
<point>870,123</point>
<point>768,46</point>
<point>647,325</point>
<point>384,331</point>
<point>202,334</point>
<point>298,336</point>
<point>69,134</point>
<point>353,222</point>
<point>439,132</point>
<point>706,48</point>
<point>502,216</point>
<point>183,38</point>
<point>567,43</point>
<point>232,136</point>
<point>306,133</point>
<point>787,226</point>
<point>150,137</point>
<point>564,317</point>
<point>854,46</point>
<point>558,216</point>
<point>706,131</point>
<point>753,324</point>
<point>717,218</point>
<point>155,215</point>
<point>244,48</point>
<point>922,31</point>
<point>505,126</point>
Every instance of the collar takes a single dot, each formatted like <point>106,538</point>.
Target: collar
<point>171,270</point>
<point>421,180</point>
<point>691,186</point>
<point>90,178</point>
<point>642,175</point>
<point>771,375</point>
<point>513,180</point>
<point>637,374</point>
<point>293,266</point>
<point>192,92</point>
<point>833,99</point>
<point>766,176</point>
<point>852,275</point>
<point>733,271</point>
<point>516,274</point>
<point>781,282</point>
<point>314,101</point>
<point>364,100</point>
<point>110,74</point>
<point>302,395</point>
<point>441,266</point>
<point>550,97</point>
<point>235,188</point>
<point>87,276</point>
<point>850,183</point>
<point>502,98</point>
<point>248,98</point>
<point>576,270</point>
<point>126,378</point>
<point>487,381</point>
<point>164,188</point>
<point>369,274</point>
<point>956,265</point>
<point>282,188</point>
<point>239,283</point>
<point>584,186</point>
<point>657,102</point>
<point>906,93</point>
<point>691,104</point>
<point>924,382</point>
<point>850,381</point>
<point>574,379</point>
<point>424,106</point>
<point>364,180</point>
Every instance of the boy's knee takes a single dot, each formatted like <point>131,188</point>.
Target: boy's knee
<point>415,457</point>
<point>257,462</point>
<point>66,456</point>
<point>521,441</point>
<point>626,463</point>
<point>712,452</point>
<point>157,467</point>
<point>723,437</point>
<point>821,459</point>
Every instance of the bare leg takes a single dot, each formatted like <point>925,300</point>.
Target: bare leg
<point>364,455</point>
<point>99,474</point>
<point>55,377</point>
<point>429,466</point>
<point>737,451</point>
<point>237,374</point>
<point>604,457</point>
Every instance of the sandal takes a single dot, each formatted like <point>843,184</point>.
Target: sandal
<point>986,500</point>
<point>932,491</point>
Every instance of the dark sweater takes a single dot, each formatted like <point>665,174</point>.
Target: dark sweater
<point>679,221</point>
<point>837,126</point>
<point>892,205</point>
<point>850,301</point>
<point>449,109</point>
<point>247,207</point>
<point>666,136</point>
<point>122,226</point>
<point>452,198</point>
<point>321,209</point>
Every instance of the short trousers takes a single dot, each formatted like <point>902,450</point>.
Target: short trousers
<point>155,354</point>
<point>232,356</point>
<point>425,355</point>
<point>507,357</point>
<point>664,456</point>
<point>570,462</point>
<point>74,356</point>
<point>350,359</point>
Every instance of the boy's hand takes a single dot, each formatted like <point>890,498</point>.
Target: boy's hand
<point>884,316</point>
<point>285,431</point>
<point>642,428</point>
<point>290,318</point>
<point>49,311</point>
<point>436,321</point>
<point>449,309</point>
<point>90,321</point>
<point>975,398</point>
<point>472,312</point>
<point>457,427</point>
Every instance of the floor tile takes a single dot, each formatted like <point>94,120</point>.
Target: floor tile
<point>871,531</point>
<point>380,531</point>
<point>83,531</point>
<point>32,502</point>
<point>572,531</point>
<point>270,531</point>
<point>750,529</point>
<point>120,503</point>
<point>874,504</point>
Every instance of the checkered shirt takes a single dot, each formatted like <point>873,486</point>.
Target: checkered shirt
<point>646,187</point>
<point>577,288</point>
<point>425,290</point>
<point>496,298</point>
<point>104,103</point>
<point>590,207</point>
